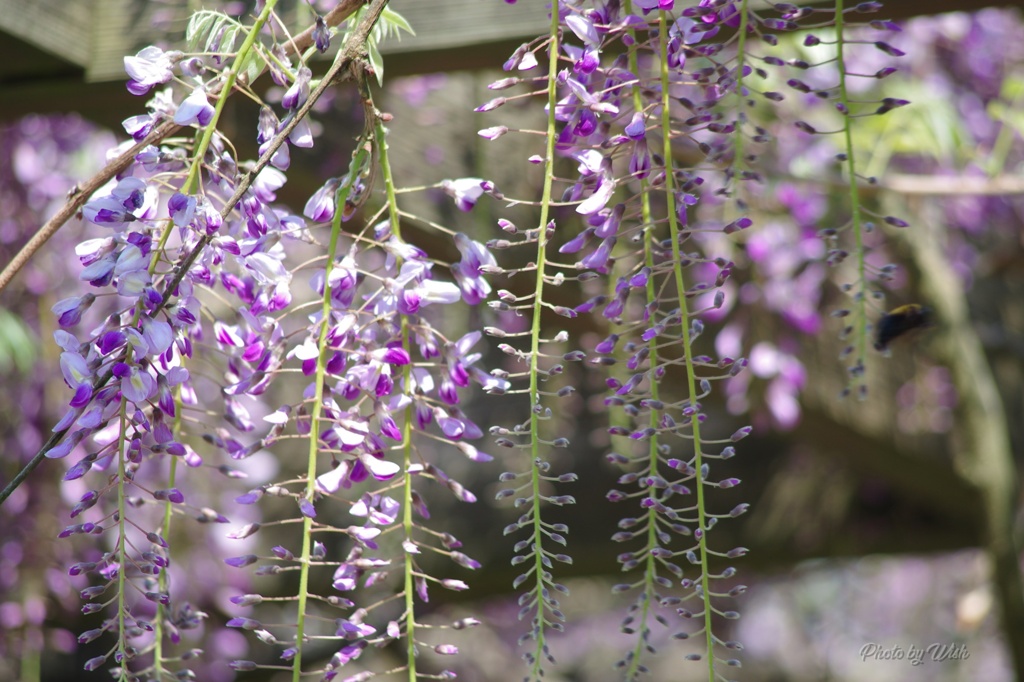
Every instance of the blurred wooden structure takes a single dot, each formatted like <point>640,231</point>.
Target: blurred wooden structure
<point>89,38</point>
<point>53,52</point>
<point>50,49</point>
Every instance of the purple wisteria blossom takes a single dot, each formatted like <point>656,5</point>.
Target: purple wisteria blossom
<point>320,207</point>
<point>195,109</point>
<point>466,191</point>
<point>151,66</point>
<point>469,272</point>
<point>129,200</point>
<point>272,399</point>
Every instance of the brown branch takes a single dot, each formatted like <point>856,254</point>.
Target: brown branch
<point>939,185</point>
<point>910,184</point>
<point>77,198</point>
<point>343,11</point>
<point>346,66</point>
<point>81,193</point>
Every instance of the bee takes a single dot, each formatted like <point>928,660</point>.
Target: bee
<point>900,321</point>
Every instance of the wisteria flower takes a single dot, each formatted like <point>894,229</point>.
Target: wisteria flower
<point>469,271</point>
<point>320,207</point>
<point>195,109</point>
<point>129,200</point>
<point>182,209</point>
<point>137,385</point>
<point>640,159</point>
<point>138,126</point>
<point>648,5</point>
<point>151,66</point>
<point>583,28</point>
<point>69,311</point>
<point>413,289</point>
<point>465,191</point>
<point>298,93</point>
<point>787,375</point>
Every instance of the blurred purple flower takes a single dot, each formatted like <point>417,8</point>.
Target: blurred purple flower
<point>465,191</point>
<point>195,109</point>
<point>149,67</point>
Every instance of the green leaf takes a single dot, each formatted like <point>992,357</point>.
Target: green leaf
<point>1012,88</point>
<point>199,25</point>
<point>376,61</point>
<point>393,21</point>
<point>253,66</point>
<point>1006,109</point>
<point>227,40</point>
<point>18,344</point>
<point>210,31</point>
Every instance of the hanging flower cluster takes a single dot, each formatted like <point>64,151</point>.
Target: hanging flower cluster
<point>198,260</point>
<point>643,249</point>
<point>220,336</point>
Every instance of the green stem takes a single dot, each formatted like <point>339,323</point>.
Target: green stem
<point>535,331</point>
<point>860,299</point>
<point>650,564</point>
<point>409,568</point>
<point>691,375</point>
<point>31,657</point>
<point>359,158</point>
<point>741,63</point>
<point>120,550</point>
<point>192,180</point>
<point>409,587</point>
<point>165,530</point>
<point>996,161</point>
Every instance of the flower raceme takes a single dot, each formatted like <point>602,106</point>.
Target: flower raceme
<point>176,250</point>
<point>219,329</point>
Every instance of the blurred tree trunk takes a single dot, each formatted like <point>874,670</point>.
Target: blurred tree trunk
<point>983,457</point>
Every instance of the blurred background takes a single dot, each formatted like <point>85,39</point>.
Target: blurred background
<point>866,534</point>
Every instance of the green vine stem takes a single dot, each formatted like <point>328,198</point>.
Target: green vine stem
<point>691,376</point>
<point>408,567</point>
<point>536,474</point>
<point>192,180</point>
<point>121,549</point>
<point>860,344</point>
<point>360,158</point>
<point>741,64</point>
<point>650,563</point>
<point>190,185</point>
<point>165,531</point>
